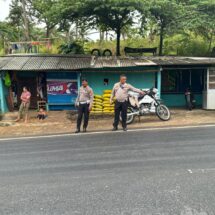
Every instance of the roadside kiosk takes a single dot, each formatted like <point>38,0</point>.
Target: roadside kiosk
<point>209,90</point>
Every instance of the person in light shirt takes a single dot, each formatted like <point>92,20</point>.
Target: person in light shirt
<point>84,104</point>
<point>25,104</point>
<point>120,91</point>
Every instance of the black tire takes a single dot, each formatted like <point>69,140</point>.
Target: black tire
<point>163,112</point>
<point>107,52</point>
<point>96,52</point>
<point>130,119</point>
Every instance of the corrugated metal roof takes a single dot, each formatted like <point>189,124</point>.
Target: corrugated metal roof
<point>16,63</point>
<point>33,63</point>
<point>168,60</point>
<point>76,63</point>
<point>68,63</point>
<point>114,62</point>
<point>43,63</point>
<point>4,61</point>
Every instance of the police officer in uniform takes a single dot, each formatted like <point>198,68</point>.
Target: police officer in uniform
<point>120,91</point>
<point>84,103</point>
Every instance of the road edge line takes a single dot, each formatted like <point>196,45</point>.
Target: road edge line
<point>107,132</point>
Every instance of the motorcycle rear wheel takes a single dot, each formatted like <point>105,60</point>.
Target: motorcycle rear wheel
<point>163,112</point>
<point>130,118</point>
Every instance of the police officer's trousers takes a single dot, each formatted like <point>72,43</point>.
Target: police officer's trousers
<point>83,109</point>
<point>120,107</point>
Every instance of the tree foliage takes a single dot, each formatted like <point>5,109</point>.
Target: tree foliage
<point>167,15</point>
<point>157,21</point>
<point>111,14</point>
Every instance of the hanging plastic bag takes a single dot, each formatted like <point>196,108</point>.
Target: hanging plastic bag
<point>7,80</point>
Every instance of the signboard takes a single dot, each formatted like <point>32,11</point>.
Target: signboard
<point>59,87</point>
<point>62,91</point>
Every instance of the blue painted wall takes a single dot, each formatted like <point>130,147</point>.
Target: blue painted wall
<point>178,100</point>
<point>137,79</point>
<point>62,99</point>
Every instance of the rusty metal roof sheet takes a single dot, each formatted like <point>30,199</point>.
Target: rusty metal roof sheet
<point>113,62</point>
<point>168,60</point>
<point>68,63</point>
<point>4,61</point>
<point>43,63</point>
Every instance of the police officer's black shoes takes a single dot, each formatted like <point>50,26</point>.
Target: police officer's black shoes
<point>114,129</point>
<point>84,130</point>
<point>125,129</point>
<point>77,131</point>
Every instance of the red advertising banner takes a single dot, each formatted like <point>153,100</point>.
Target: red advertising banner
<point>59,87</point>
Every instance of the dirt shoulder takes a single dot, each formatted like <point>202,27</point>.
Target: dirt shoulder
<point>59,122</point>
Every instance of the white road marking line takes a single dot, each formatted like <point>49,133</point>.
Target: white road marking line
<point>190,171</point>
<point>201,170</point>
<point>107,132</point>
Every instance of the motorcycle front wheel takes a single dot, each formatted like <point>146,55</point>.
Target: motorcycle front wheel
<point>163,112</point>
<point>130,118</point>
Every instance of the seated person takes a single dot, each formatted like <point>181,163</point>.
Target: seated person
<point>41,114</point>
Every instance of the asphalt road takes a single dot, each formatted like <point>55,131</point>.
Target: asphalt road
<point>167,172</point>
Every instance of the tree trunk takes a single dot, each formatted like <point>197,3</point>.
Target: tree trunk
<point>161,41</point>
<point>118,34</point>
<point>76,30</point>
<point>47,31</point>
<point>106,36</point>
<point>101,36</point>
<point>210,43</point>
<point>26,21</point>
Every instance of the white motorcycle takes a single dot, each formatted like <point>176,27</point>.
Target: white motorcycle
<point>140,105</point>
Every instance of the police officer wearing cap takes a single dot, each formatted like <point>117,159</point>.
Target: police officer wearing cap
<point>84,104</point>
<point>120,91</point>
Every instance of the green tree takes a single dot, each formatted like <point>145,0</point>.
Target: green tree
<point>70,20</point>
<point>112,14</point>
<point>46,12</point>
<point>202,21</point>
<point>71,48</point>
<point>7,34</point>
<point>167,14</point>
<point>19,17</point>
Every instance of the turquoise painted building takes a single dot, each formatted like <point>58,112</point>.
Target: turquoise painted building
<point>105,80</point>
<point>58,74</point>
<point>174,83</point>
<point>3,93</point>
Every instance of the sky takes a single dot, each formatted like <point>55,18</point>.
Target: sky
<point>4,9</point>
